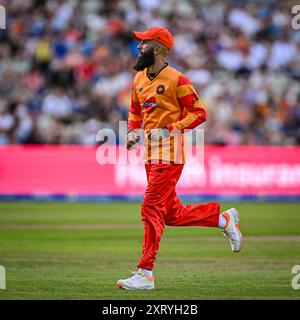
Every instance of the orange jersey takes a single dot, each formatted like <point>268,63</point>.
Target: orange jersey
<point>169,100</point>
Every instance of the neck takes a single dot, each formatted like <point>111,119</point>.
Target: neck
<point>156,66</point>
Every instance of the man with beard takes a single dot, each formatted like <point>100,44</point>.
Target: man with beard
<point>165,102</point>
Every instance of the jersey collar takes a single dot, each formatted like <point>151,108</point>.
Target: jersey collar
<point>166,64</point>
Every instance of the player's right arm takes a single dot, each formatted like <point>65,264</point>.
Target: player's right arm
<point>134,120</point>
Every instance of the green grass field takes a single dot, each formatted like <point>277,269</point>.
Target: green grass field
<point>79,251</point>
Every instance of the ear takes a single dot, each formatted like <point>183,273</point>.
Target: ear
<point>157,50</point>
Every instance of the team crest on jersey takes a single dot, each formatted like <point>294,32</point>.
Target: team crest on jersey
<point>160,89</point>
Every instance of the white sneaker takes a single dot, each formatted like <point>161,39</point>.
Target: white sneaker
<point>232,229</point>
<point>139,281</point>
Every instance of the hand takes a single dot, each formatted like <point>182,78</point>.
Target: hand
<point>131,139</point>
<point>156,135</point>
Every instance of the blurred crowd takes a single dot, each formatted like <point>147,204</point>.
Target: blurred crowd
<point>66,67</point>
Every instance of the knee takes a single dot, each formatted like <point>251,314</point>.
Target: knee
<point>150,210</point>
<point>151,199</point>
<point>152,214</point>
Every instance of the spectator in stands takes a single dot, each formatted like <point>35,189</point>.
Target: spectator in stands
<point>65,67</point>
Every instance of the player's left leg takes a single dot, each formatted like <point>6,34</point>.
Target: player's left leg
<point>204,215</point>
<point>207,215</point>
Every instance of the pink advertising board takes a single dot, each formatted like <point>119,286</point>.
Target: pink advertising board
<point>74,171</point>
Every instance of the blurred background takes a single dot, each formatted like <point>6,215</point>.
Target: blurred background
<point>66,72</point>
<point>65,67</point>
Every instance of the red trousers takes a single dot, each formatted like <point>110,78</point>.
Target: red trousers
<point>161,207</point>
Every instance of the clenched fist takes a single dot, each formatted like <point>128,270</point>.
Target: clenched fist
<point>131,139</point>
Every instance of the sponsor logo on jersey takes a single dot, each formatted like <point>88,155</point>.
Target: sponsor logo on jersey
<point>150,104</point>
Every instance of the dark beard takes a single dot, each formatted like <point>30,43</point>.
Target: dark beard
<point>145,60</point>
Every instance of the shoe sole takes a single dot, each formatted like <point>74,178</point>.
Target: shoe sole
<point>237,225</point>
<point>120,286</point>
